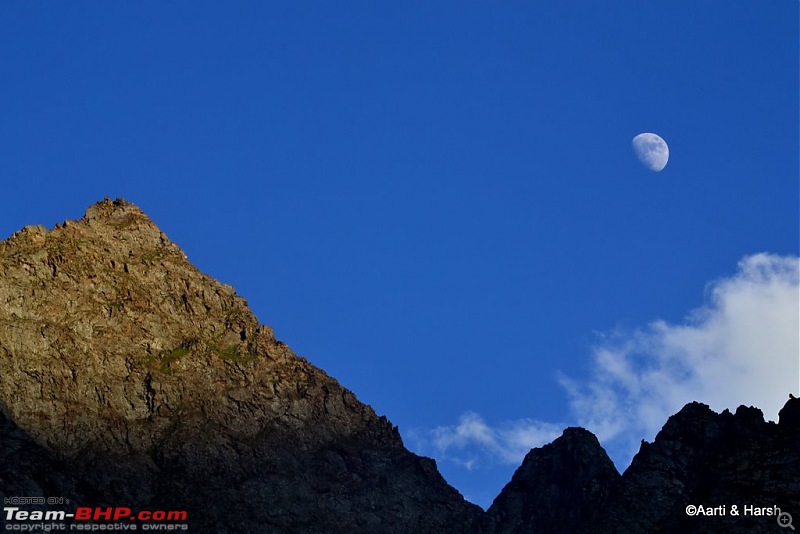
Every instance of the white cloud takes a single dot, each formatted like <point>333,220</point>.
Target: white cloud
<point>473,443</point>
<point>741,347</point>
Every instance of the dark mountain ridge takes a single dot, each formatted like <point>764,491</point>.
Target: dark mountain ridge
<point>129,378</point>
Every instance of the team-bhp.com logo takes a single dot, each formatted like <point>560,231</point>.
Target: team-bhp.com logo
<point>85,513</point>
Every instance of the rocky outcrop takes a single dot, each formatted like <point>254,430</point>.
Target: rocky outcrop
<point>560,487</point>
<point>714,460</point>
<point>700,458</point>
<point>129,378</point>
<point>154,385</point>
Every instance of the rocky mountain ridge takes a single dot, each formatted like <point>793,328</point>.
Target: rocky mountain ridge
<point>129,378</point>
<point>699,458</point>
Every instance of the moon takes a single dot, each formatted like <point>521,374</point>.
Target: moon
<point>651,150</point>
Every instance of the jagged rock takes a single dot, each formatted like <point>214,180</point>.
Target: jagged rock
<point>789,416</point>
<point>560,487</point>
<point>154,385</point>
<point>699,458</point>
<point>709,459</point>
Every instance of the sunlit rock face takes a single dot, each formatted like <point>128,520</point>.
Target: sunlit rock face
<point>142,382</point>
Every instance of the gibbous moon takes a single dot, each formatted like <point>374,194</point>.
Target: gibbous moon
<point>651,150</point>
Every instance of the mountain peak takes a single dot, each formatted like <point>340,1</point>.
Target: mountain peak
<point>572,473</point>
<point>108,303</point>
<point>107,208</point>
<point>115,348</point>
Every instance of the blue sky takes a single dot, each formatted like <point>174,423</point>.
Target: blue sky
<point>438,202</point>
